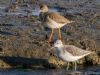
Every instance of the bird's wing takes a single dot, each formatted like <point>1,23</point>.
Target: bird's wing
<point>75,51</point>
<point>58,18</point>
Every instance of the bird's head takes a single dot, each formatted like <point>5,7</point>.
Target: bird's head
<point>58,43</point>
<point>43,8</point>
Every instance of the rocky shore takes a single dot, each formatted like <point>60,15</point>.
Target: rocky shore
<point>26,37</point>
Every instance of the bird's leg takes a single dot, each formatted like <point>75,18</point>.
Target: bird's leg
<point>59,33</point>
<point>52,31</point>
<point>67,66</point>
<point>75,65</point>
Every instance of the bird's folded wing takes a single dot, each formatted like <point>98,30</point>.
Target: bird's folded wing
<point>58,18</point>
<point>75,51</point>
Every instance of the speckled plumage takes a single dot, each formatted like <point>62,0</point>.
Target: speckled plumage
<point>54,16</point>
<point>75,51</point>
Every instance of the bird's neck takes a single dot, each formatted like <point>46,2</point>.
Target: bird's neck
<point>60,47</point>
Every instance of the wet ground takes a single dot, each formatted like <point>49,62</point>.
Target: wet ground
<point>80,71</point>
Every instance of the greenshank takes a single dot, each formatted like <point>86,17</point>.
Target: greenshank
<point>69,53</point>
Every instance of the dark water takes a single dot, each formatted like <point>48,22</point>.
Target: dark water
<point>80,71</point>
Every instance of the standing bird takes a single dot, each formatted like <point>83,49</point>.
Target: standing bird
<point>52,20</point>
<point>69,53</point>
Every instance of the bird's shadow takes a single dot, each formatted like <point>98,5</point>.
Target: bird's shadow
<point>22,62</point>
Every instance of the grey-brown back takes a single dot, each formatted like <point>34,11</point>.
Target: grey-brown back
<point>75,51</point>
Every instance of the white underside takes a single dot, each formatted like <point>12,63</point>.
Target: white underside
<point>70,58</point>
<point>54,24</point>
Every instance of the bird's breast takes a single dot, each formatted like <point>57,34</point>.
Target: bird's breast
<point>68,57</point>
<point>52,24</point>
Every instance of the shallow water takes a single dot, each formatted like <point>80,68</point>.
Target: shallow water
<point>80,71</point>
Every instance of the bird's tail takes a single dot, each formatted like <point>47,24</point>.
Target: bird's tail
<point>88,52</point>
<point>70,21</point>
